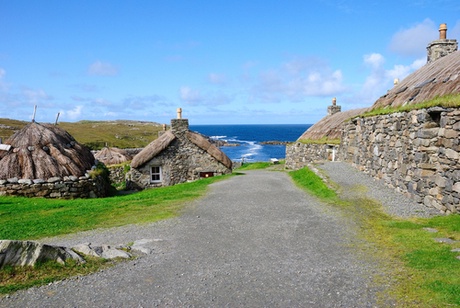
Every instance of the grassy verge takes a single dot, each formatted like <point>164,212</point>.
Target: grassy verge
<point>423,272</point>
<point>34,218</point>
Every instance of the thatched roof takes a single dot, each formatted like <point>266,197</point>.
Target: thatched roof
<point>329,127</point>
<point>206,145</point>
<point>112,156</point>
<point>42,151</point>
<point>433,79</point>
<point>153,149</point>
<point>158,145</point>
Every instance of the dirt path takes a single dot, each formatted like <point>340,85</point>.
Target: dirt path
<point>255,240</point>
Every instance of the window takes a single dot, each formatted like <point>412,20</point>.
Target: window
<point>155,174</point>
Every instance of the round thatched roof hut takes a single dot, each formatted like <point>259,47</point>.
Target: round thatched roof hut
<point>112,156</point>
<point>43,151</point>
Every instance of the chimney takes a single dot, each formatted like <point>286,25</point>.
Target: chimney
<point>179,125</point>
<point>333,108</point>
<point>442,47</point>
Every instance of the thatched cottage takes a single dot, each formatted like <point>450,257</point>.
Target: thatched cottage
<point>320,141</point>
<point>177,156</point>
<point>112,156</point>
<point>45,160</point>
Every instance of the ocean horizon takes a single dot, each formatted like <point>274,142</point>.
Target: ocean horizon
<point>250,137</point>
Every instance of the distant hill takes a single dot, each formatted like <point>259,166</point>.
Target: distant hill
<point>97,134</point>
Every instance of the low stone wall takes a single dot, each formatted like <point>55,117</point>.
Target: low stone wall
<point>415,152</point>
<point>299,155</point>
<point>65,188</point>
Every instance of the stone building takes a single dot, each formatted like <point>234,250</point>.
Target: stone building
<point>416,152</point>
<point>177,156</point>
<point>321,141</point>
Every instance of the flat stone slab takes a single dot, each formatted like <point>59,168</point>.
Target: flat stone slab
<point>431,230</point>
<point>445,240</point>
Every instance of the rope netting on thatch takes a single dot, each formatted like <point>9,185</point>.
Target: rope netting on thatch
<point>112,156</point>
<point>42,151</point>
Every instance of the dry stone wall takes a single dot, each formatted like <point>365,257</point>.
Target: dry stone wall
<point>417,153</point>
<point>66,188</point>
<point>299,155</point>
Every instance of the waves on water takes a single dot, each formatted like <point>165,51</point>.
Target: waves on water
<point>248,138</point>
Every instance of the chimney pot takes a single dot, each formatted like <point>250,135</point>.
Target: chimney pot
<point>179,113</point>
<point>443,31</point>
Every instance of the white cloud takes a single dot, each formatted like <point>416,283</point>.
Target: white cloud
<point>99,68</point>
<point>218,79</point>
<point>73,114</point>
<point>380,79</point>
<point>297,79</point>
<point>35,96</point>
<point>374,60</point>
<point>413,41</point>
<point>190,96</point>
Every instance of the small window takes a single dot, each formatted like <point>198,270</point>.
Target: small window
<point>155,174</point>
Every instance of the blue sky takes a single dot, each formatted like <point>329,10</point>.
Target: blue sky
<point>222,62</point>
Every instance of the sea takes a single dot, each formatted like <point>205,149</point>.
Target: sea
<point>249,139</point>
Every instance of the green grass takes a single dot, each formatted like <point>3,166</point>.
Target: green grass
<point>421,271</point>
<point>97,134</point>
<point>34,218</point>
<point>312,183</point>
<point>447,101</point>
<point>323,140</point>
<point>255,166</point>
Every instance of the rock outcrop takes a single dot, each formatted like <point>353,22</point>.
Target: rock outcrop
<point>28,253</point>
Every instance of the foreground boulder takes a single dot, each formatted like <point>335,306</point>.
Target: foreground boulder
<point>28,253</point>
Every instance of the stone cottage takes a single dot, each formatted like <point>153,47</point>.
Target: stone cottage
<point>320,141</point>
<point>178,155</point>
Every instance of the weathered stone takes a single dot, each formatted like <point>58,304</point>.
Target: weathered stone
<point>28,253</point>
<point>456,187</point>
<point>451,154</point>
<point>440,181</point>
<point>12,180</point>
<point>38,181</point>
<point>54,179</point>
<point>111,253</point>
<point>428,133</point>
<point>87,250</point>
<point>25,181</point>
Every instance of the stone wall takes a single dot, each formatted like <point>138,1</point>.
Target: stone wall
<point>66,188</point>
<point>415,152</point>
<point>299,155</point>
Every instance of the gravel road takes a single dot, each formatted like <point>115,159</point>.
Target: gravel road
<point>255,240</point>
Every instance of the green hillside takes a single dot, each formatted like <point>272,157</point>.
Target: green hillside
<point>97,134</point>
